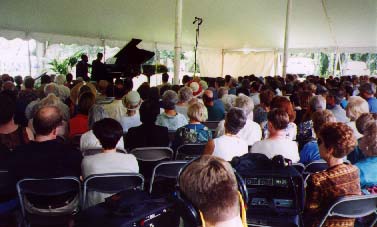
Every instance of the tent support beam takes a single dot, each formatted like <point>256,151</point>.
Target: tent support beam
<point>222,62</point>
<point>286,37</point>
<point>178,40</point>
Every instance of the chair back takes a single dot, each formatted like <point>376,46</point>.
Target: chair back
<point>48,190</point>
<point>353,207</point>
<point>165,174</point>
<point>111,183</point>
<point>211,124</point>
<point>189,151</point>
<point>5,182</point>
<point>94,151</point>
<point>299,167</point>
<point>149,157</point>
<point>316,166</point>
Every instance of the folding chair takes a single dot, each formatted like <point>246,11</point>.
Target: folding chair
<point>40,200</point>
<point>8,200</point>
<point>353,207</point>
<point>211,124</point>
<point>111,183</point>
<point>189,151</point>
<point>164,176</point>
<point>299,167</point>
<point>94,151</point>
<point>149,157</point>
<point>316,166</point>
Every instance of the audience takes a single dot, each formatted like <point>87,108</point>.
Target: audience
<point>333,100</point>
<point>230,144</point>
<point>367,92</point>
<point>108,131</point>
<point>184,97</point>
<point>115,109</point>
<point>251,132</point>
<point>79,124</point>
<point>88,140</point>
<point>194,132</point>
<point>310,151</point>
<point>11,134</point>
<point>210,184</point>
<point>277,143</point>
<point>170,118</point>
<point>260,111</point>
<point>147,134</point>
<point>131,102</point>
<point>355,107</point>
<point>215,108</point>
<point>335,141</point>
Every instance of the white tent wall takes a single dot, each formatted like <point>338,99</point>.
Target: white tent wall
<point>257,63</point>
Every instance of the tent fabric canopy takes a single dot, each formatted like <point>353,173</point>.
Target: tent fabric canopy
<point>227,24</point>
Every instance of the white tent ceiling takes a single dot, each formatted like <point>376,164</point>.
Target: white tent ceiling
<point>228,24</point>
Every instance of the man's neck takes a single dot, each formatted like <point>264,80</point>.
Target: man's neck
<point>43,138</point>
<point>234,222</point>
<point>8,127</point>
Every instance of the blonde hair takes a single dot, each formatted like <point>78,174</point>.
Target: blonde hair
<point>198,112</point>
<point>355,107</point>
<point>210,184</point>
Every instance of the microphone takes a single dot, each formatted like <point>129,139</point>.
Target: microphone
<point>199,20</point>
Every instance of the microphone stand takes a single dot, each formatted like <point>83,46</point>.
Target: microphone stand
<point>199,22</point>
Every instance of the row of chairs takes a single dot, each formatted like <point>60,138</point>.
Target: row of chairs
<point>162,182</point>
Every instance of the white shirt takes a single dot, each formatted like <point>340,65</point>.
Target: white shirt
<point>250,133</point>
<point>115,110</point>
<point>352,125</point>
<point>285,147</point>
<point>171,122</point>
<point>112,162</point>
<point>128,122</point>
<point>89,141</point>
<point>227,147</point>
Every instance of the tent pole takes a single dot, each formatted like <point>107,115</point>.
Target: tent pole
<point>178,40</point>
<point>286,36</point>
<point>222,62</point>
<point>29,56</point>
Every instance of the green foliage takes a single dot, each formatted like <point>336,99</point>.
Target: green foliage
<point>63,67</point>
<point>324,64</point>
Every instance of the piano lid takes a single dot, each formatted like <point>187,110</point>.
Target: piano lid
<point>132,55</point>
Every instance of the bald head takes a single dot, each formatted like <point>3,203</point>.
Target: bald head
<point>46,120</point>
<point>208,97</point>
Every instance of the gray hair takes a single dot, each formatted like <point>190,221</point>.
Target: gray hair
<point>60,80</point>
<point>317,102</point>
<point>355,107</point>
<point>244,102</point>
<point>96,113</point>
<point>51,88</point>
<point>222,91</point>
<point>169,99</point>
<point>185,94</point>
<point>228,101</point>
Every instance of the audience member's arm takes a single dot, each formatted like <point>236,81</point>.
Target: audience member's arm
<point>209,148</point>
<point>29,133</point>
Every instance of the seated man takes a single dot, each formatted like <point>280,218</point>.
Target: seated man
<point>46,157</point>
<point>210,184</point>
<point>108,131</point>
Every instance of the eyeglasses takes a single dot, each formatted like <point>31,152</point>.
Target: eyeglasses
<point>319,141</point>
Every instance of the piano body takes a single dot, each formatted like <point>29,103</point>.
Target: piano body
<point>128,61</point>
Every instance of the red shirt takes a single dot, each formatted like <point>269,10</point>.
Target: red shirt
<point>78,125</point>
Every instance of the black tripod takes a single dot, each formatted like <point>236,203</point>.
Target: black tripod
<point>199,22</point>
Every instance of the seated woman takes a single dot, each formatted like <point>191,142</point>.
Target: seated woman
<point>210,184</point>
<point>310,151</point>
<point>11,134</point>
<point>79,123</point>
<point>170,118</point>
<point>184,95</point>
<point>108,131</point>
<point>277,143</point>
<point>194,131</point>
<point>147,134</point>
<point>335,141</point>
<point>261,110</point>
<point>229,145</point>
<point>355,107</point>
<point>88,140</point>
<point>367,166</point>
<point>131,102</point>
<point>251,132</point>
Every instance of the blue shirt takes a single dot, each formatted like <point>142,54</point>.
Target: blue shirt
<point>309,153</point>
<point>217,111</point>
<point>368,172</point>
<point>372,102</point>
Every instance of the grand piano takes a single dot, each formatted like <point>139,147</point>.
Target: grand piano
<point>128,61</point>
